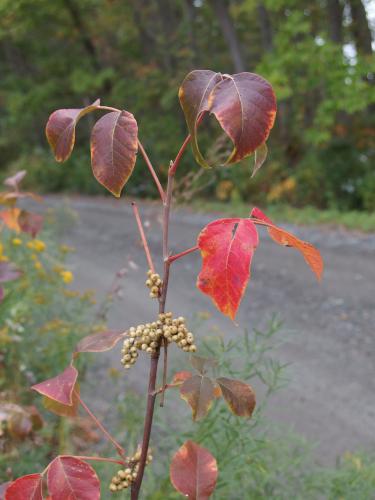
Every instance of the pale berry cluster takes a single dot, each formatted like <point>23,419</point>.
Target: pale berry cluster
<point>125,477</point>
<point>154,283</point>
<point>148,337</point>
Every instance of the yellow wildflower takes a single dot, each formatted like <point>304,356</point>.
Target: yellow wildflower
<point>38,265</point>
<point>3,258</point>
<point>16,242</point>
<point>66,249</point>
<point>67,276</point>
<point>37,245</point>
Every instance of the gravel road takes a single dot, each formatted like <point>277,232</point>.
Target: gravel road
<point>328,329</point>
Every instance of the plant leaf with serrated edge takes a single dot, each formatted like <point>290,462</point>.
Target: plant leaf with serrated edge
<point>63,410</point>
<point>199,392</point>
<point>245,107</point>
<point>59,388</point>
<point>310,253</point>
<point>227,247</point>
<point>72,478</point>
<point>200,363</point>
<point>25,488</point>
<point>260,156</point>
<point>193,471</point>
<point>239,396</point>
<point>193,95</point>
<point>99,342</point>
<point>114,146</point>
<point>61,127</point>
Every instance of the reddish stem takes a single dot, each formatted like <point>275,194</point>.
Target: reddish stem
<point>136,486</point>
<point>143,236</point>
<point>172,258</point>
<point>98,459</point>
<point>120,450</point>
<point>152,171</point>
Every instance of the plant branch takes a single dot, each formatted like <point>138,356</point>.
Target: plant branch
<point>165,371</point>
<point>143,236</point>
<point>136,486</point>
<point>172,258</point>
<point>152,170</point>
<point>120,450</point>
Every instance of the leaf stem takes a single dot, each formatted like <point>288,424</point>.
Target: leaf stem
<point>172,258</point>
<point>143,236</point>
<point>152,170</point>
<point>120,450</point>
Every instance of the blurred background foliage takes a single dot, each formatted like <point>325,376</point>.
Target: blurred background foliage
<point>134,54</point>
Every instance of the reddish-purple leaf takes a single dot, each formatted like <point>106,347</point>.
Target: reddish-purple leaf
<point>239,396</point>
<point>64,410</point>
<point>245,106</point>
<point>61,129</point>
<point>72,479</point>
<point>25,488</point>
<point>30,223</point>
<point>194,471</point>
<point>199,392</point>
<point>15,179</point>
<point>8,272</point>
<point>194,93</point>
<point>227,247</point>
<point>59,388</point>
<point>310,253</point>
<point>114,146</point>
<point>99,342</point>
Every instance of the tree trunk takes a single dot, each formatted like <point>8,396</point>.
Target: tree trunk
<point>265,27</point>
<point>334,13</point>
<point>221,11</point>
<point>360,27</point>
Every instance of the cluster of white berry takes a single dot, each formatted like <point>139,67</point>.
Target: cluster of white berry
<point>154,283</point>
<point>125,477</point>
<point>148,337</point>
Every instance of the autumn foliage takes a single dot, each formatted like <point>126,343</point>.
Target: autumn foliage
<point>244,106</point>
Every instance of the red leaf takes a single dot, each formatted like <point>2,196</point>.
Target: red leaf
<point>199,392</point>
<point>59,388</point>
<point>194,471</point>
<point>193,94</point>
<point>72,479</point>
<point>64,410</point>
<point>61,129</point>
<point>25,488</point>
<point>114,145</point>
<point>15,179</point>
<point>310,253</point>
<point>8,272</point>
<point>227,247</point>
<point>239,396</point>
<point>245,106</point>
<point>99,342</point>
<point>30,223</point>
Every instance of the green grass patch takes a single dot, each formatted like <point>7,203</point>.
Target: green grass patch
<point>351,220</point>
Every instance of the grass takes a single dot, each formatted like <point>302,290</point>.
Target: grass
<point>351,220</point>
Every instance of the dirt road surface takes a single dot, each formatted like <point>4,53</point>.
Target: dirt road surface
<point>328,330</point>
